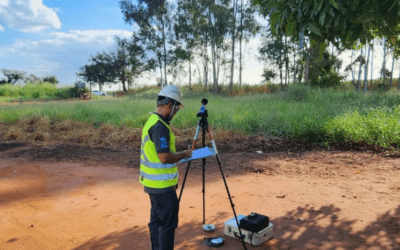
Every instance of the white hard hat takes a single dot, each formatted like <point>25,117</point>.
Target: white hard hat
<point>172,92</point>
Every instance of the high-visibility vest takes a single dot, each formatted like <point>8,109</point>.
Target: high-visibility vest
<point>153,173</point>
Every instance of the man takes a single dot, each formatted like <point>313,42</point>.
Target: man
<point>158,171</point>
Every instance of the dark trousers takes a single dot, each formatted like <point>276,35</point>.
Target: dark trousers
<point>163,220</point>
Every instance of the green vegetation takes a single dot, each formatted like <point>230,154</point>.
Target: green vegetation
<point>317,115</point>
<point>44,90</point>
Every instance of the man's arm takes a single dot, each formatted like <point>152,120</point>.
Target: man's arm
<point>174,157</point>
<point>159,135</point>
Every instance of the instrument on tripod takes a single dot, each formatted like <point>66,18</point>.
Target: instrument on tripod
<point>203,124</point>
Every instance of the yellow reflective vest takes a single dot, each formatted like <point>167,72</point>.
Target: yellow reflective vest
<point>153,173</point>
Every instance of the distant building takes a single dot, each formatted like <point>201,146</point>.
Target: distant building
<point>80,85</point>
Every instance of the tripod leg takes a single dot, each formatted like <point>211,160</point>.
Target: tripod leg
<point>204,176</point>
<point>226,186</point>
<point>184,180</point>
<point>187,169</point>
<point>230,199</point>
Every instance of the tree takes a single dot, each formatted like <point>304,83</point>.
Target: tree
<point>154,20</point>
<point>187,32</point>
<point>366,68</point>
<point>13,75</point>
<point>218,23</point>
<point>51,79</point>
<point>234,10</point>
<point>332,20</point>
<point>268,75</point>
<point>136,60</point>
<point>248,28</point>
<point>343,23</point>
<point>32,79</point>
<point>103,70</point>
<point>88,73</point>
<point>120,59</point>
<point>273,50</point>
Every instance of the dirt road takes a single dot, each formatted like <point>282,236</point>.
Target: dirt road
<point>70,197</point>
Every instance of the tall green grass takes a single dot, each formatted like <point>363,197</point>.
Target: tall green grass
<point>316,115</point>
<point>44,90</point>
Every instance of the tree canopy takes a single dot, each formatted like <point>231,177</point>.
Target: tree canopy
<point>340,22</point>
<point>12,75</point>
<point>51,79</point>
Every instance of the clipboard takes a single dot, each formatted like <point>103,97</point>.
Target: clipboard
<point>199,154</point>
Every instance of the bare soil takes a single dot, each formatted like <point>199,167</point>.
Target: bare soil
<point>66,196</point>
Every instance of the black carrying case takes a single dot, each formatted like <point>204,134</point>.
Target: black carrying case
<point>254,222</point>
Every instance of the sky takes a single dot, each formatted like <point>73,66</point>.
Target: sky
<point>44,37</point>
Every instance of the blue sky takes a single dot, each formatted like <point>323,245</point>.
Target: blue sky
<point>45,37</point>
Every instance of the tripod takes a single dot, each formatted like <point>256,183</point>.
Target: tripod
<point>203,124</point>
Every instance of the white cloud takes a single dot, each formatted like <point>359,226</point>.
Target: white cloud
<point>96,39</point>
<point>1,28</point>
<point>28,15</point>
<point>4,3</point>
<point>90,36</point>
<point>59,53</point>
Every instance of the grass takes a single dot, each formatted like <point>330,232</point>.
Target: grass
<point>316,115</point>
<point>35,91</point>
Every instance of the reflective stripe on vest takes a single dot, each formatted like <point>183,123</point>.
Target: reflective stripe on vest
<point>146,138</point>
<point>157,165</point>
<point>154,173</point>
<point>159,177</point>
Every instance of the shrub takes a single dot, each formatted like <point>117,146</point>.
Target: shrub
<point>331,79</point>
<point>297,92</point>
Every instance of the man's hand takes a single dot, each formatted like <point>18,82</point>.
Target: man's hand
<point>187,153</point>
<point>174,157</point>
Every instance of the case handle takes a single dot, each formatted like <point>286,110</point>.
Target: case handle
<point>237,235</point>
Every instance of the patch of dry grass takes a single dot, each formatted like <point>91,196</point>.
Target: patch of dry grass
<point>40,131</point>
<point>35,129</point>
<point>220,135</point>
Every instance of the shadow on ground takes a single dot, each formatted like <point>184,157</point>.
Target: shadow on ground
<point>298,229</point>
<point>7,146</point>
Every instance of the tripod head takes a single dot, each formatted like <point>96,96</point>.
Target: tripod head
<point>203,110</point>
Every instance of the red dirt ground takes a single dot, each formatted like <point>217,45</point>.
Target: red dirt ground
<point>72,197</point>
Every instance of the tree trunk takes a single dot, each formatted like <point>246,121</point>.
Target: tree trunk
<point>307,68</point>
<point>281,76</point>
<point>241,38</point>
<point>233,42</point>
<point>383,70</point>
<point>214,59</point>
<point>161,75</point>
<point>352,71</point>
<point>199,72</point>
<point>294,64</point>
<point>165,52</point>
<point>391,73</point>
<point>205,66</point>
<point>286,61</point>
<point>398,82</point>
<point>359,71</point>
<point>218,66</point>
<point>372,65</point>
<point>123,78</point>
<point>190,75</point>
<point>366,70</point>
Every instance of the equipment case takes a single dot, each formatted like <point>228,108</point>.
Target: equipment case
<point>253,238</point>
